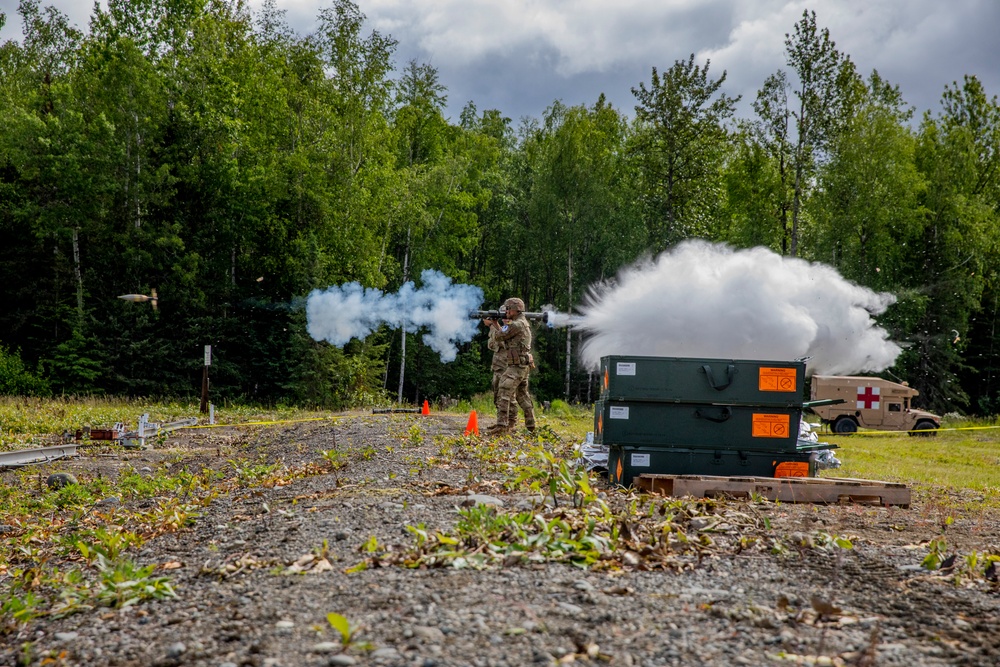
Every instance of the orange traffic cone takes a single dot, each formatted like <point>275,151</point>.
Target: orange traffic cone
<point>473,425</point>
<point>426,410</point>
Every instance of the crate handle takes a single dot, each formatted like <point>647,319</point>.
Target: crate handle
<point>730,373</point>
<point>723,416</point>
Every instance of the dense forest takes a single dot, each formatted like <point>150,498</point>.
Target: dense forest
<point>212,154</point>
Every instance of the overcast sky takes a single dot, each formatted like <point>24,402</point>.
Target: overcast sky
<point>519,56</point>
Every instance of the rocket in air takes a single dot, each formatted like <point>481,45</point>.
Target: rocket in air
<point>140,298</point>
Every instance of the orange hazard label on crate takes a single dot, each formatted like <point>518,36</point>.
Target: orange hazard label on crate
<point>770,426</point>
<point>777,379</point>
<point>618,471</point>
<point>606,379</point>
<point>600,424</point>
<point>792,469</point>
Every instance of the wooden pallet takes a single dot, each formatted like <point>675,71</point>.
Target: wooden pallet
<point>785,489</point>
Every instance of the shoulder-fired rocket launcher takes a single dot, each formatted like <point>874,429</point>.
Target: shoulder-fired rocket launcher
<point>499,315</point>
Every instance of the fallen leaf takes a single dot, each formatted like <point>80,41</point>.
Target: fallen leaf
<point>823,607</point>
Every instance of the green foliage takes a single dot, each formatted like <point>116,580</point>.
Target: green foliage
<point>214,155</point>
<point>73,368</point>
<point>106,544</point>
<point>250,473</point>
<point>554,474</point>
<point>485,536</point>
<point>937,550</point>
<point>961,456</point>
<point>341,625</point>
<point>15,379</point>
<point>681,141</point>
<point>72,495</point>
<point>560,409</point>
<point>336,459</point>
<point>123,584</point>
<point>21,609</point>
<point>868,211</point>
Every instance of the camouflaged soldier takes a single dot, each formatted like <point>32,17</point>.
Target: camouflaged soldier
<point>515,334</point>
<point>499,365</point>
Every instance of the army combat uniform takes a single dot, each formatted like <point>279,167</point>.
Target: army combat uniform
<point>513,389</point>
<point>499,365</point>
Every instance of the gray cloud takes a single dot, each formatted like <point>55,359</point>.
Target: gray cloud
<point>519,56</point>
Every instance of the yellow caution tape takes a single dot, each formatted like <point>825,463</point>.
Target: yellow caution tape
<point>267,423</point>
<point>921,431</point>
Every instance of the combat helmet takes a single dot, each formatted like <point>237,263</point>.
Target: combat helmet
<point>514,303</point>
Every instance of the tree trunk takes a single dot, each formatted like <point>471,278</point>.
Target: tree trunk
<point>569,330</point>
<point>78,272</point>
<point>402,351</point>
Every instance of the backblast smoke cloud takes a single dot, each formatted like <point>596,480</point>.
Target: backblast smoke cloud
<point>343,312</point>
<point>709,300</point>
<point>696,300</point>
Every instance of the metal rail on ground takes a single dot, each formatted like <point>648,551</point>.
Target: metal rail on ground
<point>25,457</point>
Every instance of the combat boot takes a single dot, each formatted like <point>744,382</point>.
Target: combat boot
<point>529,420</point>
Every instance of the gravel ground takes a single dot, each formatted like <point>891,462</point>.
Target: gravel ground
<point>727,598</point>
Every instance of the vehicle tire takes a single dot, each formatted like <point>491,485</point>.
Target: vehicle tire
<point>925,428</point>
<point>845,426</point>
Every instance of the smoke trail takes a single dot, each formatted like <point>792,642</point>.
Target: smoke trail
<point>559,320</point>
<point>707,300</point>
<point>339,314</point>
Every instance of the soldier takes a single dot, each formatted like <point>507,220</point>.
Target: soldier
<point>499,365</point>
<point>515,335</point>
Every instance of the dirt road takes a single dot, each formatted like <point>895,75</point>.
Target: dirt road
<point>421,542</point>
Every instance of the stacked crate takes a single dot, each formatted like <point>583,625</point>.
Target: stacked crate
<point>679,416</point>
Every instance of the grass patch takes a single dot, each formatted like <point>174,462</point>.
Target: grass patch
<point>570,422</point>
<point>26,421</point>
<point>481,403</point>
<point>952,461</point>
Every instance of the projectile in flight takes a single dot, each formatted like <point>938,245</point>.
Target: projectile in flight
<point>140,298</point>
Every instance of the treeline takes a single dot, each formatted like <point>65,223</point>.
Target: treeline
<point>232,165</point>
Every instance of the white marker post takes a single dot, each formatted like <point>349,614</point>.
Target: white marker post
<point>204,380</point>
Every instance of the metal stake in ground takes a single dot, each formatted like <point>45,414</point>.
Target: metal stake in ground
<point>204,380</point>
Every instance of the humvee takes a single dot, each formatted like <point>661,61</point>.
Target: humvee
<point>870,402</point>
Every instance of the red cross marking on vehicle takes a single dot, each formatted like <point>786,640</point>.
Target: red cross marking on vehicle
<point>868,398</point>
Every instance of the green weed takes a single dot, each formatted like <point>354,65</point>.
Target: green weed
<point>336,459</point>
<point>107,544</point>
<point>250,474</point>
<point>556,476</point>
<point>348,632</point>
<point>123,583</point>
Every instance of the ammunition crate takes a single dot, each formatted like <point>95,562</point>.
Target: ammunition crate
<point>626,463</point>
<point>686,380</point>
<point>739,427</point>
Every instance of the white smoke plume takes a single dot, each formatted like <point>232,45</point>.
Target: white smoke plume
<point>341,313</point>
<point>557,320</point>
<point>708,300</point>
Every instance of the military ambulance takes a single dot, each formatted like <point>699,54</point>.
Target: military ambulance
<point>870,402</point>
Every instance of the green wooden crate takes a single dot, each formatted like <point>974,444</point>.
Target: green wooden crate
<point>742,427</point>
<point>626,463</point>
<point>690,380</point>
